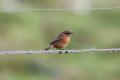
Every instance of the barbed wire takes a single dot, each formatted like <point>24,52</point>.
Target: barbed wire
<point>59,51</point>
<point>55,9</point>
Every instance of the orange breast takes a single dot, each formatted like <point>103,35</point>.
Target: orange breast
<point>63,42</point>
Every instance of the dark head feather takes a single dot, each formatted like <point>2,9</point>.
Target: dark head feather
<point>67,32</point>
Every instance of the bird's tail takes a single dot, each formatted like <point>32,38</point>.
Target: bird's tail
<point>48,48</point>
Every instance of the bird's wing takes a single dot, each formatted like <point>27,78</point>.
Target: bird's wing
<point>54,41</point>
<point>59,38</point>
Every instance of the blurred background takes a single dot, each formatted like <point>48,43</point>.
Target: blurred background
<point>32,30</point>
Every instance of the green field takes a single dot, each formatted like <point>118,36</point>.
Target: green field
<point>34,30</point>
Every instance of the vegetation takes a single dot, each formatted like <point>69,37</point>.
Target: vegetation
<point>34,31</point>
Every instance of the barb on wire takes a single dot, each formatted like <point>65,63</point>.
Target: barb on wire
<point>60,51</point>
<point>55,9</point>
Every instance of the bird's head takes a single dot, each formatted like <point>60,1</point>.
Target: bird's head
<point>67,32</point>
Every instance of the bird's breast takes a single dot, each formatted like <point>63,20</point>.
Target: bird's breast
<point>65,41</point>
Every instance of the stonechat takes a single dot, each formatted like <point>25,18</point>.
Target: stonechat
<point>61,41</point>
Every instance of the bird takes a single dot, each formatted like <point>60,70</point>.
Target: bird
<point>61,41</point>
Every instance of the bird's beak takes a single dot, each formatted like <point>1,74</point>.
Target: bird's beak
<point>72,33</point>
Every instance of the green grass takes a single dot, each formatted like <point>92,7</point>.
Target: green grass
<point>95,66</point>
<point>34,31</point>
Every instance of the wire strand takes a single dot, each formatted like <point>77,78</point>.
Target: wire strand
<point>55,9</point>
<point>60,51</point>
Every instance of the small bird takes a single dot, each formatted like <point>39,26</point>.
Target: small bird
<point>61,41</point>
